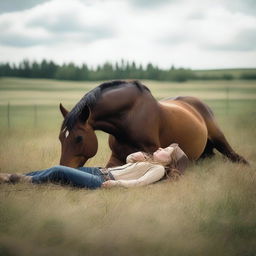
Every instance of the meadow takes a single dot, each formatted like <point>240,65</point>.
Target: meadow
<point>209,211</point>
<point>235,73</point>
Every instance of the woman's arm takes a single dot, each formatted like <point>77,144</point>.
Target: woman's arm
<point>154,174</point>
<point>137,157</point>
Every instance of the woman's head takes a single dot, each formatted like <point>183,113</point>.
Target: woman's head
<point>172,157</point>
<point>163,155</point>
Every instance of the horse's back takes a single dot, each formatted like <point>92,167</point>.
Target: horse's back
<point>198,108</point>
<point>203,109</point>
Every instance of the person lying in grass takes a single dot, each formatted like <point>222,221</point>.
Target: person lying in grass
<point>141,169</point>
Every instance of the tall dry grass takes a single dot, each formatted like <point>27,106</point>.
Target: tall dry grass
<point>211,210</point>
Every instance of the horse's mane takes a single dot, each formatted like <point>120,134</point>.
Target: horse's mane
<point>91,98</point>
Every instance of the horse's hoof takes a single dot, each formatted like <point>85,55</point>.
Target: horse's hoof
<point>243,161</point>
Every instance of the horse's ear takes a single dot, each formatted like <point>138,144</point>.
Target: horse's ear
<point>63,111</point>
<point>84,115</point>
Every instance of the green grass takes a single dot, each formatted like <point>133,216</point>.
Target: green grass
<point>209,211</point>
<point>236,73</point>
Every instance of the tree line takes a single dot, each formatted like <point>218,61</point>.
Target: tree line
<point>107,71</point>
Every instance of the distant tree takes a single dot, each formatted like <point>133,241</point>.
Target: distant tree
<point>6,70</point>
<point>25,69</point>
<point>68,72</point>
<point>227,77</point>
<point>107,71</point>
<point>248,76</point>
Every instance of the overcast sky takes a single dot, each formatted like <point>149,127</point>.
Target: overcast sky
<point>198,34</point>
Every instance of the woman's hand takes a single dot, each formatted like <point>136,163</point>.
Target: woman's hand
<point>109,184</point>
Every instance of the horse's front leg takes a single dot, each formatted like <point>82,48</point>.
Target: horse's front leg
<point>114,161</point>
<point>121,150</point>
<point>117,155</point>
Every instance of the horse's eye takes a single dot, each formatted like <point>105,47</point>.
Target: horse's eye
<point>78,139</point>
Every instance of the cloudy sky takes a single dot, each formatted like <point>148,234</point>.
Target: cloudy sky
<point>198,34</point>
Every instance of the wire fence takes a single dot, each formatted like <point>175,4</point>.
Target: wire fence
<point>30,116</point>
<point>34,115</point>
<point>11,112</point>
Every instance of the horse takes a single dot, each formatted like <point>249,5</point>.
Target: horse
<point>136,121</point>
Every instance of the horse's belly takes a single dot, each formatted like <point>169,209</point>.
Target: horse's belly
<point>186,129</point>
<point>192,139</point>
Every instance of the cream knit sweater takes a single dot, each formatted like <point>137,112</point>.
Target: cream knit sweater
<point>137,174</point>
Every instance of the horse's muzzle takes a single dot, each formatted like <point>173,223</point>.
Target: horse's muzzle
<point>75,162</point>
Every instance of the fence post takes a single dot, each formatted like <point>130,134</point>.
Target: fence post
<point>8,116</point>
<point>35,116</point>
<point>227,100</point>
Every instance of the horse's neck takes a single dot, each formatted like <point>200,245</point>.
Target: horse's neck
<point>123,114</point>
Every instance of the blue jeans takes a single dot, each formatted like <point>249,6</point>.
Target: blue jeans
<point>82,177</point>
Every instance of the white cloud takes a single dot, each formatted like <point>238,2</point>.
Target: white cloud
<point>53,22</point>
<point>197,34</point>
<point>16,5</point>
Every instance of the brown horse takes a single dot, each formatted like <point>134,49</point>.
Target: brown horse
<point>136,121</point>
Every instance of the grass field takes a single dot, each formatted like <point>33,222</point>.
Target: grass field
<point>209,211</point>
<point>235,73</point>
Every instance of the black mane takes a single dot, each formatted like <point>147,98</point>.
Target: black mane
<point>91,98</point>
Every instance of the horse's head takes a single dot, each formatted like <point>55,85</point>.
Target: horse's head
<point>79,143</point>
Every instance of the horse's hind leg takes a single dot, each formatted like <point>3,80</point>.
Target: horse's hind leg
<point>208,151</point>
<point>216,138</point>
<point>220,143</point>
